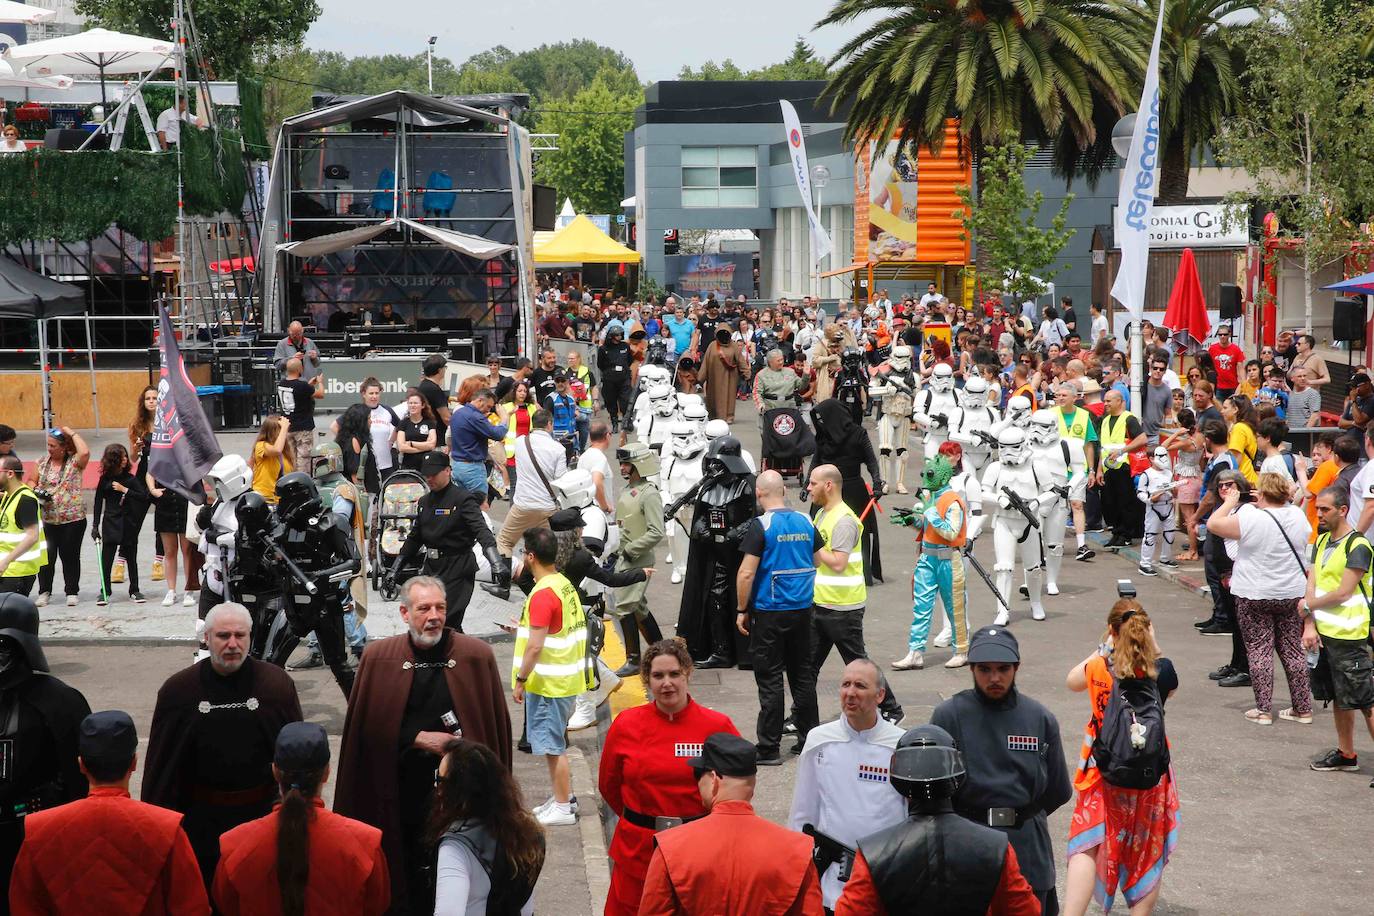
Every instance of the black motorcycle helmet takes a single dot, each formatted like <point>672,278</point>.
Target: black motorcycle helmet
<point>298,499</point>
<point>19,622</point>
<point>725,456</point>
<point>253,513</point>
<point>615,332</point>
<point>926,766</point>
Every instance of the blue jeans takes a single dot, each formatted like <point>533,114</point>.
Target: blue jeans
<point>355,634</point>
<point>471,475</point>
<point>584,431</point>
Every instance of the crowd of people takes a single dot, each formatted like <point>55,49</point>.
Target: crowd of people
<point>621,442</point>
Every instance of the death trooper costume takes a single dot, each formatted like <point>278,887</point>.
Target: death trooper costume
<point>1155,488</point>
<point>1018,489</point>
<point>717,428</point>
<point>255,580</point>
<point>680,471</point>
<point>971,425</point>
<point>934,406</point>
<point>1017,414</point>
<point>229,479</point>
<point>1066,466</point>
<point>654,427</point>
<point>896,387</point>
<point>852,382</point>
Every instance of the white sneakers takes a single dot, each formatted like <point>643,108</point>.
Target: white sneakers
<point>72,601</point>
<point>41,600</point>
<point>557,814</point>
<point>169,599</point>
<point>191,600</point>
<point>912,661</point>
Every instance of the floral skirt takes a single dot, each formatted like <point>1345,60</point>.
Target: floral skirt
<point>1134,832</point>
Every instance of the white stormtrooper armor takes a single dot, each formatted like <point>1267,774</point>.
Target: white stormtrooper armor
<point>230,478</point>
<point>717,428</point>
<point>1155,488</point>
<point>974,415</point>
<point>896,387</point>
<point>692,402</point>
<point>1017,414</point>
<point>650,377</point>
<point>653,428</point>
<point>1014,472</point>
<point>934,406</point>
<point>680,471</point>
<point>1065,464</point>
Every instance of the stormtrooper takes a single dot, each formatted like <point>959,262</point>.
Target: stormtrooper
<point>650,378</point>
<point>716,429</point>
<point>229,480</point>
<point>654,427</point>
<point>896,388</point>
<point>971,425</point>
<point>679,473</point>
<point>851,384</point>
<point>693,408</point>
<point>1065,465</point>
<point>1018,489</point>
<point>934,406</point>
<point>316,556</point>
<point>1155,488</point>
<point>1017,414</point>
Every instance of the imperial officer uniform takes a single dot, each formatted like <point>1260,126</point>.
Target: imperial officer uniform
<point>1016,771</point>
<point>448,522</point>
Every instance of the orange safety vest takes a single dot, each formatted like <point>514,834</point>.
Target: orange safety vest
<point>929,534</point>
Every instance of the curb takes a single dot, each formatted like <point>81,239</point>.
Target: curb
<point>594,856</point>
<point>1184,580</point>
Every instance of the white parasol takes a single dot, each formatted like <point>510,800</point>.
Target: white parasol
<point>9,76</point>
<point>98,51</point>
<point>19,12</point>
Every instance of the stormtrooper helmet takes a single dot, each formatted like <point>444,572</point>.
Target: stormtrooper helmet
<point>651,375</point>
<point>900,359</point>
<point>942,378</point>
<point>694,413</point>
<point>1011,446</point>
<point>1160,459</point>
<point>230,478</point>
<point>975,394</point>
<point>715,429</point>
<point>1019,411</point>
<point>574,489</point>
<point>686,440</point>
<point>1044,427</point>
<point>661,400</point>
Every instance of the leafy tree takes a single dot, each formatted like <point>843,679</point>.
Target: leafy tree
<point>710,70</point>
<point>560,71</point>
<point>1300,130</point>
<point>1056,70</point>
<point>589,164</point>
<point>230,31</point>
<point>1012,248</point>
<point>801,64</point>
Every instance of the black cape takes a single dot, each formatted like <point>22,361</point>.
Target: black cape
<point>693,624</point>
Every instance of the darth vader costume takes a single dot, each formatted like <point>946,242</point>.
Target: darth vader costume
<point>723,506</point>
<point>851,384</point>
<point>39,721</point>
<point>318,557</point>
<point>843,442</point>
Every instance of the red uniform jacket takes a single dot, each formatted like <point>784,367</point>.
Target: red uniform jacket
<point>644,766</point>
<point>1014,896</point>
<point>348,872</point>
<point>719,865</point>
<point>106,854</point>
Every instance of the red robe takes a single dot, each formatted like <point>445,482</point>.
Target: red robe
<point>714,865</point>
<point>348,872</point>
<point>644,766</point>
<point>369,759</point>
<point>1014,896</point>
<point>106,854</point>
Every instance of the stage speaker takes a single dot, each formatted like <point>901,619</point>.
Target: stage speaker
<point>1228,295</point>
<point>70,138</point>
<point>545,202</point>
<point>1347,318</point>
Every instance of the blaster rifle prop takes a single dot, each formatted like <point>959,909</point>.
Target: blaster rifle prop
<point>988,438</point>
<point>967,551</point>
<point>670,513</point>
<point>296,572</point>
<point>1020,505</point>
<point>829,851</point>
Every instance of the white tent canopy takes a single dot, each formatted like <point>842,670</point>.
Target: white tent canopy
<point>19,12</point>
<point>471,245</point>
<point>10,76</point>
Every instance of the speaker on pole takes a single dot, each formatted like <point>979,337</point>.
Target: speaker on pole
<point>1228,297</point>
<point>1347,318</point>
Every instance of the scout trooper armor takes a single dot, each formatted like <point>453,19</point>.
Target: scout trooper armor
<point>934,406</point>
<point>896,387</point>
<point>1014,485</point>
<point>680,472</point>
<point>1065,465</point>
<point>971,425</point>
<point>1155,488</point>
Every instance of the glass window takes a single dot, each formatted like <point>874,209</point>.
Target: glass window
<point>737,177</point>
<point>725,176</point>
<point>698,197</point>
<point>738,155</point>
<point>698,178</point>
<point>739,197</point>
<point>699,155</point>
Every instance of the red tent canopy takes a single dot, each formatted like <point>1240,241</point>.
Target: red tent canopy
<point>229,265</point>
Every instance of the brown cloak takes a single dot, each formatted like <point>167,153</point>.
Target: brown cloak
<point>368,786</point>
<point>720,373</point>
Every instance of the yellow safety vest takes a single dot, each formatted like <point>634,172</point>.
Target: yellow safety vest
<point>845,588</point>
<point>1078,427</point>
<point>584,375</point>
<point>1350,618</point>
<point>1113,432</point>
<point>511,426</point>
<point>30,561</point>
<point>563,668</point>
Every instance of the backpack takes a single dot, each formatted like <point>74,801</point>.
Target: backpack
<point>1131,750</point>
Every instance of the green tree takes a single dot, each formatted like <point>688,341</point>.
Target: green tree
<point>710,70</point>
<point>1056,70</point>
<point>1198,78</point>
<point>287,86</point>
<point>1300,129</point>
<point>801,64</point>
<point>1012,248</point>
<point>562,70</point>
<point>589,164</point>
<point>231,31</point>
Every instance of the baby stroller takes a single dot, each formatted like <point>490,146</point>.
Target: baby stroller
<point>787,441</point>
<point>396,509</point>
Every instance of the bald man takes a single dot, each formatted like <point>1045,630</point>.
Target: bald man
<point>296,345</point>
<point>775,588</point>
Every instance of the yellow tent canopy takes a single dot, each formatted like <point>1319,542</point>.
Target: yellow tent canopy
<point>581,242</point>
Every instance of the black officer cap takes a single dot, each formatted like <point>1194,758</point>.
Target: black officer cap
<point>565,520</point>
<point>434,463</point>
<point>302,747</point>
<point>107,736</point>
<point>996,645</point>
<point>728,755</point>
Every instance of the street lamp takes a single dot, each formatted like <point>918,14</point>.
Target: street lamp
<point>1122,134</point>
<point>820,177</point>
<point>429,61</point>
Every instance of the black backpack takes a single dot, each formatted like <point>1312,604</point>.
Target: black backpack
<point>1131,749</point>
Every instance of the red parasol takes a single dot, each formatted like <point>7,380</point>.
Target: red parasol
<point>1186,316</point>
<point>230,265</point>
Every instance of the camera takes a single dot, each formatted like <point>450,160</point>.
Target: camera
<point>44,496</point>
<point>1125,588</point>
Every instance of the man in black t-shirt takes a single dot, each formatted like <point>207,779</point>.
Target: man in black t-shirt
<point>298,399</point>
<point>431,388</point>
<point>706,327</point>
<point>542,377</point>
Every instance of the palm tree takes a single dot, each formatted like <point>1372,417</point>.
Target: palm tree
<point>1055,71</point>
<point>1198,78</point>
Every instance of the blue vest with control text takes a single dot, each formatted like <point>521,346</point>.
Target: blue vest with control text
<point>786,577</point>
